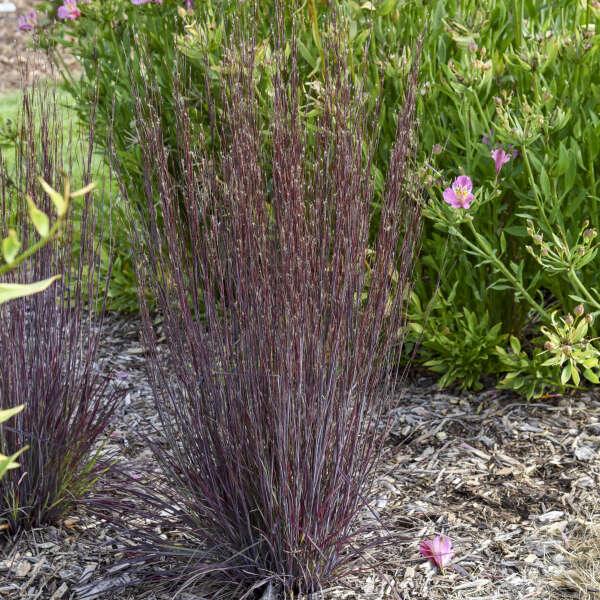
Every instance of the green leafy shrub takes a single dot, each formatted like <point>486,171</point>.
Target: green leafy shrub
<point>458,344</point>
<point>495,79</point>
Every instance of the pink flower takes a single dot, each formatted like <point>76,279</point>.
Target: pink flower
<point>27,22</point>
<point>439,550</point>
<point>500,158</point>
<point>69,10</point>
<point>459,195</point>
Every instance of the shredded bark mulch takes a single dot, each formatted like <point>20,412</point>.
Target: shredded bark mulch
<point>510,482</point>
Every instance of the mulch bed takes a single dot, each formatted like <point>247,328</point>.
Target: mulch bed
<point>508,481</point>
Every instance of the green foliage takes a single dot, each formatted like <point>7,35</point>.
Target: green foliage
<point>570,349</point>
<point>458,344</point>
<point>493,73</point>
<point>8,462</point>
<point>11,246</point>
<point>525,373</point>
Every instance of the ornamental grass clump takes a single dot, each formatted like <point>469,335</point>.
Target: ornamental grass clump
<point>49,341</point>
<point>281,339</point>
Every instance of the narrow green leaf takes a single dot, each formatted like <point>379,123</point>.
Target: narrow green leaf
<point>83,191</point>
<point>10,246</point>
<point>60,204</point>
<point>11,291</point>
<point>9,462</point>
<point>566,374</point>
<point>545,184</point>
<point>575,374</point>
<point>10,412</point>
<point>38,218</point>
<point>515,344</point>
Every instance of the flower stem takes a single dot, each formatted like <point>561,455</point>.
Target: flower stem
<point>484,248</point>
<point>535,190</point>
<point>577,283</point>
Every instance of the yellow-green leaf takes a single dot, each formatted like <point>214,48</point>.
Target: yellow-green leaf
<point>83,191</point>
<point>11,291</point>
<point>60,204</point>
<point>38,218</point>
<point>8,462</point>
<point>10,246</point>
<point>575,374</point>
<point>515,344</point>
<point>10,412</point>
<point>591,376</point>
<point>566,374</point>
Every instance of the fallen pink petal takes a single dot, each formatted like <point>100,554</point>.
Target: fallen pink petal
<point>459,195</point>
<point>439,550</point>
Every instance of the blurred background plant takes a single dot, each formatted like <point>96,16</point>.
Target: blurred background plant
<point>49,341</point>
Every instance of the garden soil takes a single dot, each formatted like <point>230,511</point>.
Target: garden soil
<point>513,484</point>
<point>18,62</point>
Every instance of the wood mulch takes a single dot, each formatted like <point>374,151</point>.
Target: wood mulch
<point>510,482</point>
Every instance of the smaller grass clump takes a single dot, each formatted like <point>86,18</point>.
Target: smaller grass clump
<point>581,552</point>
<point>49,341</point>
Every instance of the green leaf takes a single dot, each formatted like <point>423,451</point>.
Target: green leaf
<point>83,191</point>
<point>575,374</point>
<point>10,412</point>
<point>561,166</point>
<point>591,376</point>
<point>545,184</point>
<point>386,7</point>
<point>11,291</point>
<point>571,173</point>
<point>60,204</point>
<point>8,462</point>
<point>10,246</point>
<point>38,218</point>
<point>515,344</point>
<point>566,374</point>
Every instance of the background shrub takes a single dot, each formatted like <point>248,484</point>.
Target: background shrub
<point>113,39</point>
<point>494,74</point>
